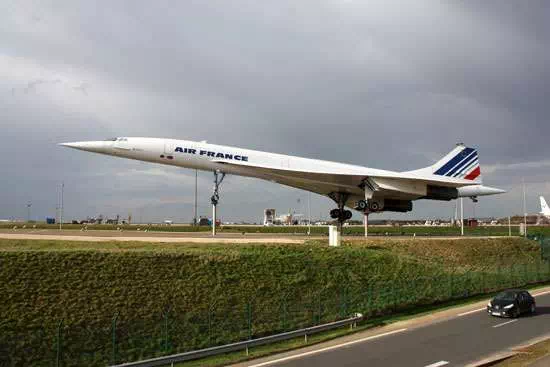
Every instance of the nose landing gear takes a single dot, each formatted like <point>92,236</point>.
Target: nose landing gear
<point>218,179</point>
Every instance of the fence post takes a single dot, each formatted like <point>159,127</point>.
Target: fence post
<point>343,306</point>
<point>319,314</point>
<point>499,277</point>
<point>396,295</point>
<point>284,311</point>
<point>512,284</point>
<point>209,328</point>
<point>58,342</point>
<point>369,299</point>
<point>166,315</point>
<point>451,284</point>
<point>249,323</point>
<point>249,316</point>
<point>113,336</point>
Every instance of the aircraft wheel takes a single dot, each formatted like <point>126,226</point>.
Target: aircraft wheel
<point>362,205</point>
<point>347,215</point>
<point>335,213</point>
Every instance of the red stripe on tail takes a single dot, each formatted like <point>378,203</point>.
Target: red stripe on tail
<point>473,175</point>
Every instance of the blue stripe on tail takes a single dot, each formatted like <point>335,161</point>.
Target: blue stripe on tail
<point>453,162</point>
<point>463,164</point>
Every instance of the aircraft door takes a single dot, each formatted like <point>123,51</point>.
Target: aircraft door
<point>169,147</point>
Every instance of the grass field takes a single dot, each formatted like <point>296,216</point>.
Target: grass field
<point>171,297</point>
<point>302,230</point>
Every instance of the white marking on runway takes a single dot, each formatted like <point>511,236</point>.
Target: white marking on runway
<point>471,312</point>
<point>438,364</point>
<point>275,361</point>
<point>505,323</point>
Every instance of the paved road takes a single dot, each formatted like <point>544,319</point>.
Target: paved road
<point>455,342</point>
<point>191,237</point>
<point>544,362</point>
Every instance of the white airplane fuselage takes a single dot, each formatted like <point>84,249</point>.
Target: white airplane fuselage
<point>206,157</point>
<point>319,176</point>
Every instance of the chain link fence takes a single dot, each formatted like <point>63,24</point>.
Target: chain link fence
<point>119,338</point>
<point>544,242</point>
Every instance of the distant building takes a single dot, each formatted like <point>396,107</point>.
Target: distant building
<point>471,222</point>
<point>113,220</point>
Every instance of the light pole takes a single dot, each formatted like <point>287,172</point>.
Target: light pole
<point>309,213</point>
<point>29,205</point>
<point>524,210</point>
<point>462,216</point>
<point>61,206</point>
<point>196,192</point>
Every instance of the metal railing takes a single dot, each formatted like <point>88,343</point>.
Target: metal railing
<point>244,345</point>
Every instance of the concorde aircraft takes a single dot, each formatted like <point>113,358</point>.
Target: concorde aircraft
<point>364,189</point>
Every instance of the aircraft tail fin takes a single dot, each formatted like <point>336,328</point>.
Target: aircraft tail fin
<point>545,210</point>
<point>461,163</point>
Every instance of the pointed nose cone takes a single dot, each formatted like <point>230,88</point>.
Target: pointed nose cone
<point>70,145</point>
<point>478,190</point>
<point>495,191</point>
<point>486,190</point>
<point>88,146</point>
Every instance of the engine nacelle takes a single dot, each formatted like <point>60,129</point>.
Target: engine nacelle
<point>400,206</point>
<point>441,193</point>
<point>384,205</point>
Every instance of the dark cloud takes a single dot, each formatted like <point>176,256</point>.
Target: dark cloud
<point>384,84</point>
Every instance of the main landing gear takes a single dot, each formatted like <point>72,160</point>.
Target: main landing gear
<point>340,213</point>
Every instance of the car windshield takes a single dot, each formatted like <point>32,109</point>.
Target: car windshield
<point>506,296</point>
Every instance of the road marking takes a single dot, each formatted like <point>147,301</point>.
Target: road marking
<point>470,312</point>
<point>505,323</point>
<point>275,361</point>
<point>541,294</point>
<point>438,364</point>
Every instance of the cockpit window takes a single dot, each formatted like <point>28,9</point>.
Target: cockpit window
<point>117,139</point>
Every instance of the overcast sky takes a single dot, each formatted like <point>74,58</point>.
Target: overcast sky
<point>385,84</point>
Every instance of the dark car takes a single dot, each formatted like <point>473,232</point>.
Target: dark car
<point>512,303</point>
